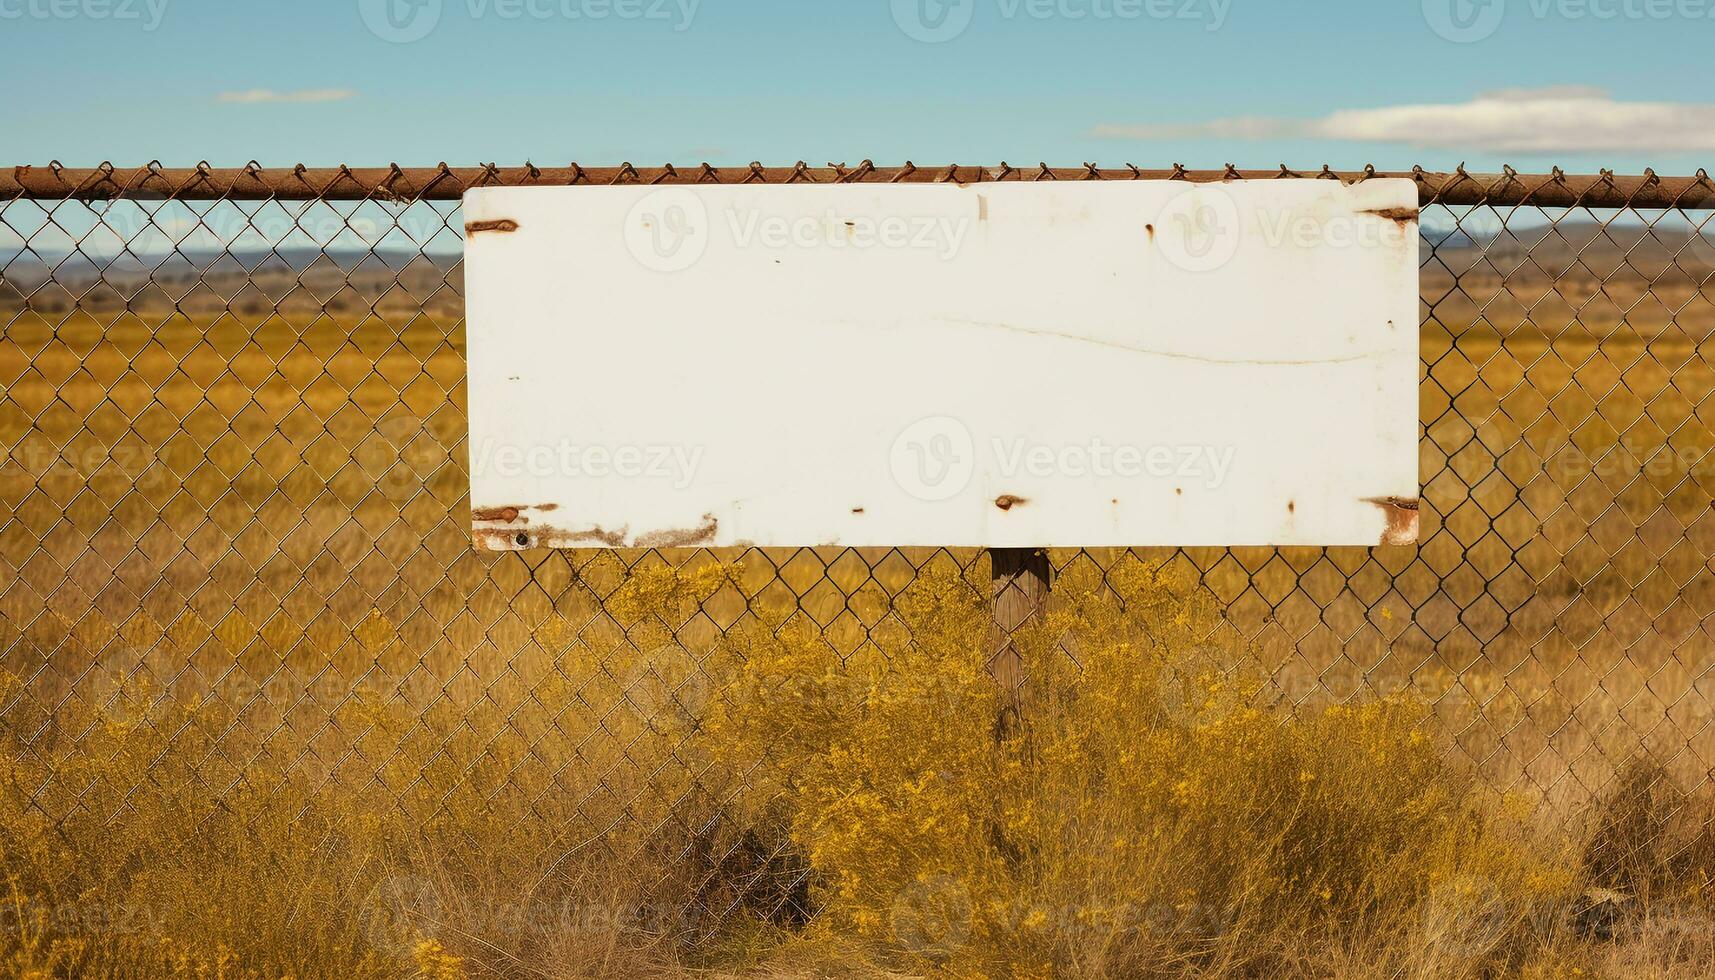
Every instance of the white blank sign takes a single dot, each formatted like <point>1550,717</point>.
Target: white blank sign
<point>1002,364</point>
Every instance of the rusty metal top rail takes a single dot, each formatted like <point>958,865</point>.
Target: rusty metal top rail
<point>1605,189</point>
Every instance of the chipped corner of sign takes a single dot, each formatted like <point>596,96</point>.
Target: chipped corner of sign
<point>1402,515</point>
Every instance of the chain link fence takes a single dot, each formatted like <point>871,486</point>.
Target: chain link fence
<point>233,409</point>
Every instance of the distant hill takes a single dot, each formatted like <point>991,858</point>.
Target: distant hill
<point>1478,249</point>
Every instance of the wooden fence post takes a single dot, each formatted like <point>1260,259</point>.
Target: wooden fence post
<point>1020,579</point>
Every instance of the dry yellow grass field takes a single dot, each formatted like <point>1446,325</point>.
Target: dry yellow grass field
<point>265,711</point>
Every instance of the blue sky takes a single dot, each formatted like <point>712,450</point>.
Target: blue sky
<point>1581,83</point>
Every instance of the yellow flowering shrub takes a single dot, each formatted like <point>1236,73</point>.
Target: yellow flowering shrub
<point>1151,811</point>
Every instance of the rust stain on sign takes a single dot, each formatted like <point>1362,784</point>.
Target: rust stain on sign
<point>1007,501</point>
<point>1402,519</point>
<point>503,528</point>
<point>1399,216</point>
<point>613,539</point>
<point>502,225</point>
<point>689,537</point>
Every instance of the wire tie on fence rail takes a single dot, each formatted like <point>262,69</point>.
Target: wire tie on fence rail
<point>1046,172</point>
<point>1136,174</point>
<point>203,172</point>
<point>532,170</point>
<point>107,175</point>
<point>1420,177</point>
<point>1327,173</point>
<point>800,171</point>
<point>856,175</point>
<point>1459,176</point>
<point>1005,170</point>
<point>1507,178</point>
<point>1553,178</point>
<point>1091,173</point>
<point>394,172</point>
<point>667,171</point>
<point>1607,176</point>
<point>905,171</point>
<point>708,173</point>
<point>441,173</point>
<point>105,170</point>
<point>577,172</point>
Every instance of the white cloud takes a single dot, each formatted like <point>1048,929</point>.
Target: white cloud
<point>1559,119</point>
<point>258,95</point>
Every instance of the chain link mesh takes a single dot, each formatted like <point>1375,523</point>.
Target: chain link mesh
<point>236,475</point>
